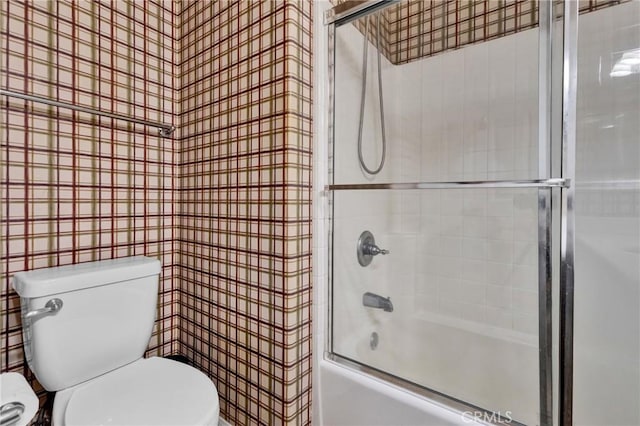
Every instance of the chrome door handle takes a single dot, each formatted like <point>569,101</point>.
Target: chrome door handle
<point>50,308</point>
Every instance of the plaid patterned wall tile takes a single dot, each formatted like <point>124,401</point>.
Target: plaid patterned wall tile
<point>76,188</point>
<point>415,29</point>
<point>245,209</point>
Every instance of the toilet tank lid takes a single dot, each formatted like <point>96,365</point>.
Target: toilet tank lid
<point>61,279</point>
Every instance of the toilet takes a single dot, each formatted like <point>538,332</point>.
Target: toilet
<point>86,328</point>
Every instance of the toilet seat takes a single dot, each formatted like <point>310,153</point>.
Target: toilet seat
<point>153,391</point>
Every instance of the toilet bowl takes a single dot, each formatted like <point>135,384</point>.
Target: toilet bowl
<point>153,391</point>
<point>86,328</point>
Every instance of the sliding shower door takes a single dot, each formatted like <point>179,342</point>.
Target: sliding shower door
<point>441,262</point>
<point>607,208</point>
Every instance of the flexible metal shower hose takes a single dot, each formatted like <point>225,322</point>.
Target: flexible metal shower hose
<point>362,99</point>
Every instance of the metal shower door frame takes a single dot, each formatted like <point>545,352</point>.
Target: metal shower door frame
<point>548,189</point>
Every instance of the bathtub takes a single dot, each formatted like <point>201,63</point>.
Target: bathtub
<point>462,359</point>
<point>348,397</point>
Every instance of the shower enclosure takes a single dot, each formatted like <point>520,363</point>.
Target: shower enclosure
<point>506,135</point>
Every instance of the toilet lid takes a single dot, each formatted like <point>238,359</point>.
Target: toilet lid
<point>154,391</point>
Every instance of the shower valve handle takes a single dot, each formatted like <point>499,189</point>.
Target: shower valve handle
<point>374,250</point>
<point>367,248</point>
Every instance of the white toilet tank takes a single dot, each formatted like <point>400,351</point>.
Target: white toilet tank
<point>104,322</point>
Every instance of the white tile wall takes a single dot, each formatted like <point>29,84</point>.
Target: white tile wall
<point>469,114</point>
<point>320,209</point>
<point>458,258</point>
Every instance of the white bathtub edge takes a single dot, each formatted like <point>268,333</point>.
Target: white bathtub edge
<point>399,401</point>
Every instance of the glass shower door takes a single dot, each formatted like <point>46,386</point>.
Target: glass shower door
<point>462,285</point>
<point>456,298</point>
<point>607,208</point>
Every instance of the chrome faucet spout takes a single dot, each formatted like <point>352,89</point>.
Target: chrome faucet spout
<point>372,300</point>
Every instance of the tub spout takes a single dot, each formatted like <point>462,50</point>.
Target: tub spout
<point>374,301</point>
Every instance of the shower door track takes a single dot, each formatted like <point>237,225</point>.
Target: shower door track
<point>422,391</point>
<point>533,183</point>
<point>354,9</point>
